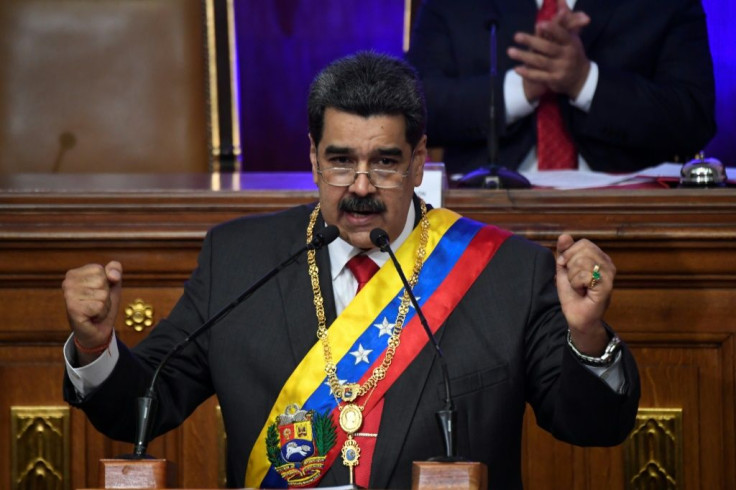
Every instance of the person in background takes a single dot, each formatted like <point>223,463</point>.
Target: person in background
<point>325,375</point>
<point>581,84</point>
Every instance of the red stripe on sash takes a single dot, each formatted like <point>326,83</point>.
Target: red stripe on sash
<point>436,309</point>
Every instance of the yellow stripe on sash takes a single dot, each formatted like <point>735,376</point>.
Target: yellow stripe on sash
<point>343,333</point>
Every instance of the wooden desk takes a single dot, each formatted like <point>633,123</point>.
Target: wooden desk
<point>674,304</point>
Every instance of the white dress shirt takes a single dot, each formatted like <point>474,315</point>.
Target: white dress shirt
<point>344,283</point>
<point>517,105</point>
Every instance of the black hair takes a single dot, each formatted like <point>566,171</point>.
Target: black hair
<point>368,84</point>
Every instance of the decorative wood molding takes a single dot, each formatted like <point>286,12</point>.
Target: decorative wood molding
<point>127,97</point>
<point>139,315</point>
<point>213,95</point>
<point>221,449</point>
<point>223,100</point>
<point>675,253</point>
<point>40,443</point>
<point>653,451</point>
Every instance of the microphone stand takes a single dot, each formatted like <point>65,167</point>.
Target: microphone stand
<point>147,403</point>
<point>447,416</point>
<point>493,176</point>
<point>438,472</point>
<point>140,470</point>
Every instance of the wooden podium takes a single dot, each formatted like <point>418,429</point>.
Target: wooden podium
<point>160,473</point>
<point>675,251</point>
<point>468,475</point>
<point>137,473</point>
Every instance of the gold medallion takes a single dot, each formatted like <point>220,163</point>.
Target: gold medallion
<point>351,418</point>
<point>350,456</point>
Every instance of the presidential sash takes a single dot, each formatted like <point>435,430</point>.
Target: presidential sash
<point>299,442</point>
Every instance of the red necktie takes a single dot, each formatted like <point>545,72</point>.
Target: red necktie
<point>362,268</point>
<point>555,148</point>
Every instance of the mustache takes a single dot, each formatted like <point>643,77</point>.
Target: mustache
<point>361,205</point>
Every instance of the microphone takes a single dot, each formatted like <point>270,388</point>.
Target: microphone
<point>146,403</point>
<point>67,141</point>
<point>446,416</point>
<point>493,176</point>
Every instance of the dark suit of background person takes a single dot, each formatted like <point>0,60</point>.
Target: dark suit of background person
<point>504,344</point>
<point>655,96</point>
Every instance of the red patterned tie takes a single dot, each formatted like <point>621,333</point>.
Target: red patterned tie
<point>362,268</point>
<point>555,148</point>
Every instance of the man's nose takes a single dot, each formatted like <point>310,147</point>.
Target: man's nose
<point>362,185</point>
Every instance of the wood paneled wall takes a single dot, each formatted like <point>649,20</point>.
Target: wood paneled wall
<point>104,86</point>
<point>674,304</point>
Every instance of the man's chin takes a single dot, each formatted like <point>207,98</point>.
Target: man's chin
<point>360,239</point>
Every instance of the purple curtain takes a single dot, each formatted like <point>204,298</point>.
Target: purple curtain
<point>282,44</point>
<point>720,15</point>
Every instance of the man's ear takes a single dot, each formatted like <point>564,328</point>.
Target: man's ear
<point>313,159</point>
<point>419,158</point>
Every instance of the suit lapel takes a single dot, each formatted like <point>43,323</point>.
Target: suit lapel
<point>514,16</point>
<point>600,12</point>
<point>297,300</point>
<point>301,322</point>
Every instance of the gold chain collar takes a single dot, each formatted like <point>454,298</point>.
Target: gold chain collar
<point>350,392</point>
<point>351,415</point>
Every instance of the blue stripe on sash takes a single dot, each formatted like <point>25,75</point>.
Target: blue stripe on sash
<point>436,267</point>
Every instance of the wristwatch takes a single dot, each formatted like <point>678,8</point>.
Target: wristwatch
<point>606,359</point>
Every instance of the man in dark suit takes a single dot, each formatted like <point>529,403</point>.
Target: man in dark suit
<point>633,79</point>
<point>304,404</point>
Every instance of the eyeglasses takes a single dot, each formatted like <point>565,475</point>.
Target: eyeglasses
<point>379,177</point>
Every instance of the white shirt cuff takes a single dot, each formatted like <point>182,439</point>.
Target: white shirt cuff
<point>517,105</point>
<point>86,379</point>
<point>613,375</point>
<point>585,97</point>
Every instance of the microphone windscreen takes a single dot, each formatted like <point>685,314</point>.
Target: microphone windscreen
<point>379,237</point>
<point>328,234</point>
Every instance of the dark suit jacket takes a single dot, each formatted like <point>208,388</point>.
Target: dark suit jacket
<point>504,344</point>
<point>655,97</point>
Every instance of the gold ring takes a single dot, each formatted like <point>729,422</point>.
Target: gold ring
<point>596,276</point>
